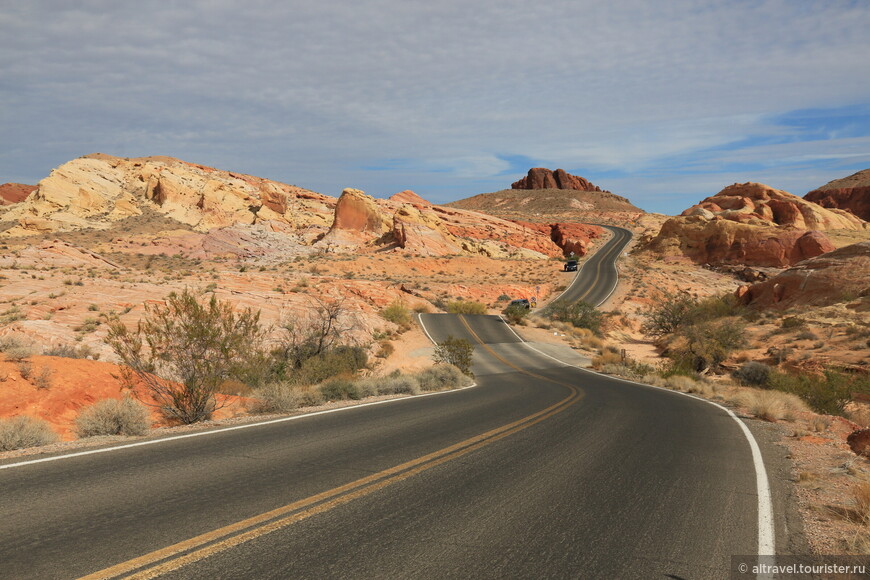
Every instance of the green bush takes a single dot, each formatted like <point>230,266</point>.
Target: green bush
<point>753,374</point>
<point>113,417</point>
<point>675,311</point>
<point>579,315</point>
<point>441,377</point>
<point>466,307</point>
<point>341,360</point>
<point>183,351</point>
<point>455,351</point>
<point>705,345</point>
<point>515,313</point>
<point>340,390</point>
<point>828,394</point>
<point>398,314</point>
<point>21,432</point>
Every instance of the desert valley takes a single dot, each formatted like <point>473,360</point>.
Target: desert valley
<point>754,297</point>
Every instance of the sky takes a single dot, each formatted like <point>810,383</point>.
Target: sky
<point>663,102</point>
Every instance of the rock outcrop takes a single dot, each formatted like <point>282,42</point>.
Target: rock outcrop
<point>759,204</point>
<point>850,193</point>
<point>423,233</point>
<point>409,196</point>
<point>542,178</point>
<point>14,192</point>
<point>837,275</point>
<point>96,190</point>
<point>754,225</point>
<point>722,241</point>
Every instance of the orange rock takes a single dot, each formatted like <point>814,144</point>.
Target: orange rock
<point>850,193</point>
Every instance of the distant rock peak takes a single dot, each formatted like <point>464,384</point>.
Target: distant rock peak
<point>543,178</point>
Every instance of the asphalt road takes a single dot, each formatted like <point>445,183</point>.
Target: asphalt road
<point>597,278</point>
<point>540,471</point>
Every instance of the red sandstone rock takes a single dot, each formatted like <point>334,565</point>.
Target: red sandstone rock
<point>859,442</point>
<point>542,178</point>
<point>850,193</point>
<point>409,196</point>
<point>822,280</point>
<point>760,204</point>
<point>15,192</point>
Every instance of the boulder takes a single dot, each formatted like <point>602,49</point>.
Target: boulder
<point>850,193</point>
<point>859,442</point>
<point>542,178</point>
<point>831,277</point>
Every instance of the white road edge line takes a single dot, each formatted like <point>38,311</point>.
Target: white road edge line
<point>766,527</point>
<point>225,429</point>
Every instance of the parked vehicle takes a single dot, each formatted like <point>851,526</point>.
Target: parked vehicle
<point>522,303</point>
<point>571,266</point>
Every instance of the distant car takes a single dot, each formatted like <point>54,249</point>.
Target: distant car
<point>571,266</point>
<point>522,303</point>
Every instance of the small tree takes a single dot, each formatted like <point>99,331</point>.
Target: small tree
<point>671,312</point>
<point>455,351</point>
<point>183,351</point>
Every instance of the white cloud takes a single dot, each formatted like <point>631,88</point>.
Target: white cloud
<point>294,88</point>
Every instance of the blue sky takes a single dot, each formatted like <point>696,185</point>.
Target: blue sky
<point>665,103</point>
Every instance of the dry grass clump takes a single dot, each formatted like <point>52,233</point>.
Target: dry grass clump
<point>861,495</point>
<point>608,357</point>
<point>16,349</point>
<point>113,417</point>
<point>22,432</point>
<point>771,405</point>
<point>819,423</point>
<point>284,397</point>
<point>860,414</point>
<point>681,383</point>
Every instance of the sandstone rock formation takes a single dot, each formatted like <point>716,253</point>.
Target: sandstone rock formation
<point>97,190</point>
<point>754,225</point>
<point>358,220</point>
<point>423,233</point>
<point>542,178</point>
<point>759,204</point>
<point>850,193</point>
<point>722,241</point>
<point>14,192</point>
<point>837,275</point>
<point>409,196</point>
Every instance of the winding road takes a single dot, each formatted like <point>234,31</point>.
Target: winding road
<point>542,470</point>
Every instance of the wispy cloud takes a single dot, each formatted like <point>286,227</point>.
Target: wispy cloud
<point>331,94</point>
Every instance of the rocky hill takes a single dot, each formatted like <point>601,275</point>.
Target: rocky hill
<point>545,195</point>
<point>850,193</point>
<point>752,224</point>
<point>227,212</point>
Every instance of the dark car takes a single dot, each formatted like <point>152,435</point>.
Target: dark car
<point>522,303</point>
<point>571,266</point>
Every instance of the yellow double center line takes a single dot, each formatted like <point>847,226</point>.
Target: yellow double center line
<point>194,549</point>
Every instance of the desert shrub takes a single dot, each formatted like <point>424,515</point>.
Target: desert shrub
<point>753,374</point>
<point>113,417</point>
<point>607,357</point>
<point>681,383</point>
<point>705,345</point>
<point>21,432</point>
<point>578,314</point>
<point>72,351</point>
<point>398,314</point>
<point>341,360</point>
<point>792,322</point>
<point>422,308</point>
<point>276,398</point>
<point>42,379</point>
<point>466,307</point>
<point>385,349</point>
<point>441,377</point>
<point>671,311</point>
<point>503,297</point>
<point>827,394</point>
<point>515,313</point>
<point>455,351</point>
<point>397,385</point>
<point>771,405</point>
<point>340,390</point>
<point>16,349</point>
<point>183,351</point>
